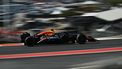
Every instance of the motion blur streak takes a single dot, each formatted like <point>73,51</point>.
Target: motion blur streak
<point>11,44</point>
<point>61,53</point>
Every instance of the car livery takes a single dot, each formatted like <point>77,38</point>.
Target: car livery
<point>65,37</point>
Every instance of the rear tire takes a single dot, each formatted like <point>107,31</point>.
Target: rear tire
<point>30,41</point>
<point>24,36</point>
<point>81,39</point>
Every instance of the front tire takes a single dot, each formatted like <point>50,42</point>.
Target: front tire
<point>81,39</point>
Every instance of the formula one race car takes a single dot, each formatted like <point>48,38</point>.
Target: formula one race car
<point>65,37</point>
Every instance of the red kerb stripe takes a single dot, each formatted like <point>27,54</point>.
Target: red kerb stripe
<point>61,53</point>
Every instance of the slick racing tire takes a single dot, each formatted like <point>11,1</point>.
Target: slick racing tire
<point>30,41</point>
<point>24,36</point>
<point>81,39</point>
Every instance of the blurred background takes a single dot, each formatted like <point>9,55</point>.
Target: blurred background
<point>99,18</point>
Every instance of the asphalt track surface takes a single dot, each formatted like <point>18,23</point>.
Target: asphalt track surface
<point>62,47</point>
<point>57,62</point>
